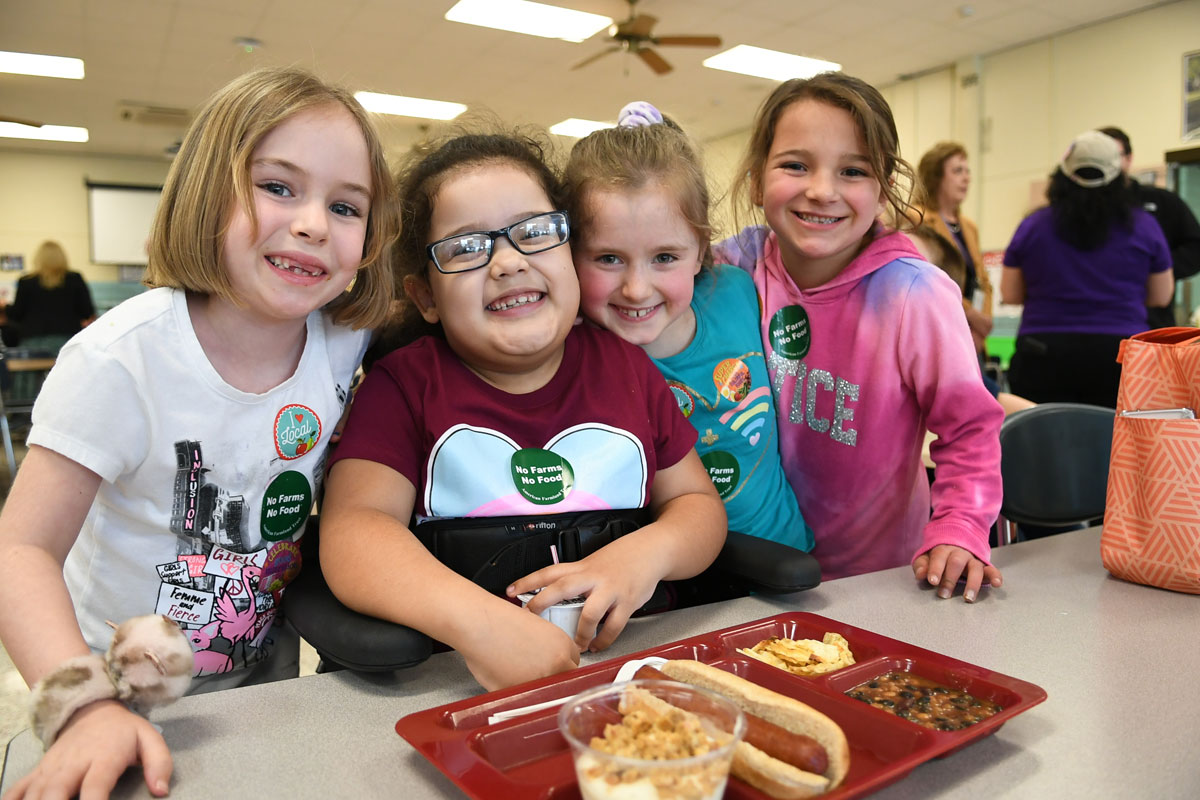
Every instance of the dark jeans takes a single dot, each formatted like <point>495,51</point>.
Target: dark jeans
<point>1066,368</point>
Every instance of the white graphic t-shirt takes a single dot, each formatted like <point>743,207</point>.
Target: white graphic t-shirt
<point>205,488</point>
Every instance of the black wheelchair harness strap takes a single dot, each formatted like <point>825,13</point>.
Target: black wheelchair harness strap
<point>495,551</point>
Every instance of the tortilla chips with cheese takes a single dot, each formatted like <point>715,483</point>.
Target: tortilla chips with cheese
<point>803,656</point>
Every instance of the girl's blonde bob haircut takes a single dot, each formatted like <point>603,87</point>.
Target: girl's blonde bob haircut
<point>212,172</point>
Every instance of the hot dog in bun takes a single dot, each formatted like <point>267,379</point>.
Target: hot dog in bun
<point>769,773</point>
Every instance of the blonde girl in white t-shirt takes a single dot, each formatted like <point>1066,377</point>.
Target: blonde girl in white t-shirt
<point>179,441</point>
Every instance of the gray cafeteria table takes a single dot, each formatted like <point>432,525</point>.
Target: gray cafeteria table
<point>1119,662</point>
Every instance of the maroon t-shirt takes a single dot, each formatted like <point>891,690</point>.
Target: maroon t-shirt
<point>591,438</point>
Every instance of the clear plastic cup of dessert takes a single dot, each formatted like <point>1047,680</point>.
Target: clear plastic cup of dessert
<point>651,740</point>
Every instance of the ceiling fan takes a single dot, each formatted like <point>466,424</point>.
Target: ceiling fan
<point>634,35</point>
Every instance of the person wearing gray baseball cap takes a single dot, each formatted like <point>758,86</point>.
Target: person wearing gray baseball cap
<point>1085,267</point>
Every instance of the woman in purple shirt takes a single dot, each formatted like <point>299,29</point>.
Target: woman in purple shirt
<point>1086,266</point>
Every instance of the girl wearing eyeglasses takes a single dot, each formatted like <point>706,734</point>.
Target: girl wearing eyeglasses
<point>508,409</point>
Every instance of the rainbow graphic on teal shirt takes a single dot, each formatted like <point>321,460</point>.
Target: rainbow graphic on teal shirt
<point>750,414</point>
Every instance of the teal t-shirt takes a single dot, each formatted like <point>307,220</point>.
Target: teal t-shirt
<point>720,381</point>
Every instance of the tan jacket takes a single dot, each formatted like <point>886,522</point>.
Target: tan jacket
<point>971,236</point>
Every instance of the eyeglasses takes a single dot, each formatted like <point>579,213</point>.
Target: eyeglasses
<point>464,252</point>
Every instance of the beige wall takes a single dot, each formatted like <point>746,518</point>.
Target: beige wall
<point>721,158</point>
<point>1036,98</point>
<point>1020,108</point>
<point>44,197</point>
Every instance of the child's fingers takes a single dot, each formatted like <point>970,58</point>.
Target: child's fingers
<point>21,790</point>
<point>156,760</point>
<point>541,579</point>
<point>920,567</point>
<point>992,575</point>
<point>972,580</point>
<point>57,780</point>
<point>617,617</point>
<point>957,562</point>
<point>566,587</point>
<point>100,779</point>
<point>936,565</point>
<point>590,618</point>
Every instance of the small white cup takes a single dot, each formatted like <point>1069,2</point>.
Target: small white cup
<point>564,614</point>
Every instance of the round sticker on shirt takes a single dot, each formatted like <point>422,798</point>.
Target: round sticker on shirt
<point>724,471</point>
<point>789,332</point>
<point>286,505</point>
<point>687,403</point>
<point>281,567</point>
<point>297,431</point>
<point>732,379</point>
<point>541,476</point>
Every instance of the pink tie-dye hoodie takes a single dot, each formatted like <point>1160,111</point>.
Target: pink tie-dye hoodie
<point>861,366</point>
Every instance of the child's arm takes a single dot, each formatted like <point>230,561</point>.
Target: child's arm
<point>40,522</point>
<point>940,364</point>
<point>375,565</point>
<point>686,536</point>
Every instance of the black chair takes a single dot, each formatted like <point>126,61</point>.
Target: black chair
<point>344,638</point>
<point>1054,463</point>
<point>347,639</point>
<point>12,405</point>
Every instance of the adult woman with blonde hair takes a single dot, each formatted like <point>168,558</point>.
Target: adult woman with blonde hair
<point>945,177</point>
<point>52,303</point>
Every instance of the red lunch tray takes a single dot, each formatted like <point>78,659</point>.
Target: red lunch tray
<point>526,757</point>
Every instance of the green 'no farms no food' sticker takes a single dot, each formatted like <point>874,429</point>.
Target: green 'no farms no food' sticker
<point>541,476</point>
<point>285,507</point>
<point>790,335</point>
<point>724,471</point>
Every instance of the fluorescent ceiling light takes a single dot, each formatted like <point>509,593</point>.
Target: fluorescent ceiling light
<point>48,133</point>
<point>408,106</point>
<point>44,66</point>
<point>770,64</point>
<point>579,128</point>
<point>535,19</point>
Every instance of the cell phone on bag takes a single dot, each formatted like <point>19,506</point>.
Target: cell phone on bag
<point>1160,413</point>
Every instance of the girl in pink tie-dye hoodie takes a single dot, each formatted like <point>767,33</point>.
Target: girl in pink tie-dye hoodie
<point>866,345</point>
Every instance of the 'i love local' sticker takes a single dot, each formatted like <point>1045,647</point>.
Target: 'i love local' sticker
<point>541,476</point>
<point>790,335</point>
<point>297,431</point>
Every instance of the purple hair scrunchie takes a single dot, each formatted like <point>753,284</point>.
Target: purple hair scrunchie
<point>638,113</point>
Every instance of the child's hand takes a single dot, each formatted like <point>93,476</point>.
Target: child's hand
<point>618,579</point>
<point>94,748</point>
<point>517,647</point>
<point>944,565</point>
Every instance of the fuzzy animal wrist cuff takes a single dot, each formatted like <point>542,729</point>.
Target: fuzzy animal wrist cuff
<point>148,664</point>
<point>76,683</point>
